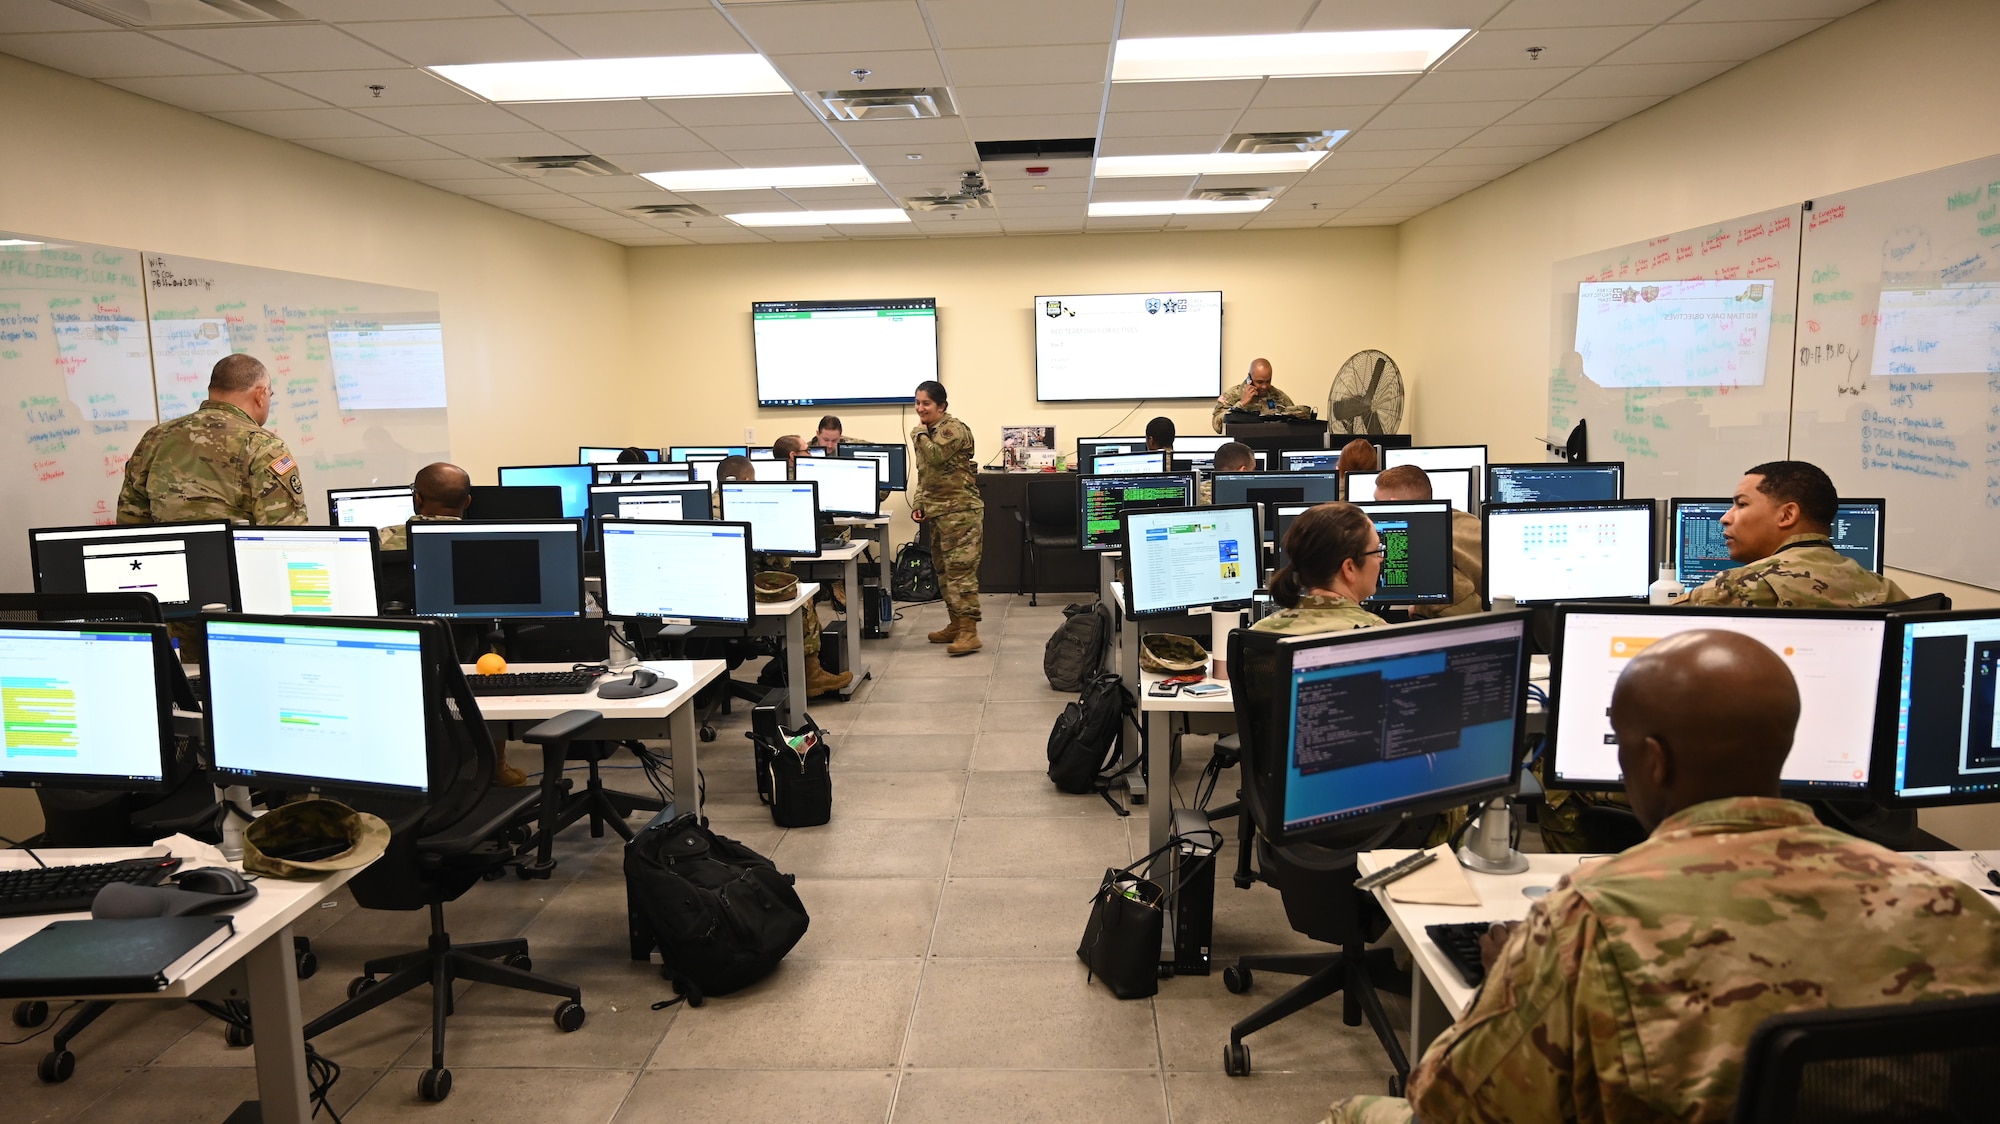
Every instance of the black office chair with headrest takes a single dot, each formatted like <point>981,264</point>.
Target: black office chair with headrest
<point>1918,1062</point>
<point>1316,882</point>
<point>439,848</point>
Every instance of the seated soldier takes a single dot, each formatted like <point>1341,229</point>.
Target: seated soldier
<point>1408,482</point>
<point>1231,456</point>
<point>1160,436</point>
<point>441,493</point>
<point>1781,528</point>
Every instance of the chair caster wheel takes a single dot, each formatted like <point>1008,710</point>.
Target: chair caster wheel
<point>31,1012</point>
<point>238,1036</point>
<point>707,733</point>
<point>359,984</point>
<point>56,1066</point>
<point>305,963</point>
<point>1237,980</point>
<point>434,1085</point>
<point>520,960</point>
<point>569,1016</point>
<point>1236,1060</point>
<point>1396,1086</point>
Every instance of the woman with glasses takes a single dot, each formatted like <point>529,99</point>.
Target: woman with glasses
<point>1333,562</point>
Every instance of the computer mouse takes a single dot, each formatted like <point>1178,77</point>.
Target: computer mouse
<point>644,677</point>
<point>212,880</point>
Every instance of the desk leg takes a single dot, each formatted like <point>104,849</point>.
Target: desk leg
<point>1159,729</point>
<point>1428,1018</point>
<point>271,975</point>
<point>795,665</point>
<point>882,559</point>
<point>857,612</point>
<point>687,766</point>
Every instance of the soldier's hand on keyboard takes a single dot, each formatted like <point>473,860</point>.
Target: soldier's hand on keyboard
<point>1495,940</point>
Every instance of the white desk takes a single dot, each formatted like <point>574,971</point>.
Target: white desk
<point>256,963</point>
<point>849,559</point>
<point>788,619</point>
<point>1160,746</point>
<point>875,529</point>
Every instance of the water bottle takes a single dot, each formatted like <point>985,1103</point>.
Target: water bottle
<point>1664,591</point>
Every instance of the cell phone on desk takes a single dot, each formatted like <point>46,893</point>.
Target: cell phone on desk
<point>1203,690</point>
<point>1164,689</point>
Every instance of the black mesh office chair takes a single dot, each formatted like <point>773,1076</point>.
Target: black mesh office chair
<point>1928,603</point>
<point>1048,518</point>
<point>1929,1062</point>
<point>439,849</point>
<point>1316,883</point>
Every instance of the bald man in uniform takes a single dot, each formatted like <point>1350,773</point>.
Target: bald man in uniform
<point>1631,990</point>
<point>1257,395</point>
<point>218,462</point>
<point>441,493</point>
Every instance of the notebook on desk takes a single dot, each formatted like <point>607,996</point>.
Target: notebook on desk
<point>108,956</point>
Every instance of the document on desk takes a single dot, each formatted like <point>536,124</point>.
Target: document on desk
<point>1440,883</point>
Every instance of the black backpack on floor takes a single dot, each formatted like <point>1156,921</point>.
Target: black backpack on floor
<point>720,913</point>
<point>913,577</point>
<point>798,786</point>
<point>1076,650</point>
<point>1084,742</point>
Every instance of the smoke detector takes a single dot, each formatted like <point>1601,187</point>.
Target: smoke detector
<point>883,105</point>
<point>558,167</point>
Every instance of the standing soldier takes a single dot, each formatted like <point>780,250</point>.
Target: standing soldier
<point>948,501</point>
<point>218,462</point>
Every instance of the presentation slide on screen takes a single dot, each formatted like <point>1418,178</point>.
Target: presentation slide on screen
<point>1836,663</point>
<point>843,351</point>
<point>68,703</point>
<point>1128,345</point>
<point>1946,330</point>
<point>1674,333</point>
<point>388,366</point>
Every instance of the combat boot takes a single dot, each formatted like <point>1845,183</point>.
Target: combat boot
<point>968,637</point>
<point>947,634</point>
<point>506,774</point>
<point>820,681</point>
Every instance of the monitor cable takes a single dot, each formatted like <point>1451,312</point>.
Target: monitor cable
<point>25,847</point>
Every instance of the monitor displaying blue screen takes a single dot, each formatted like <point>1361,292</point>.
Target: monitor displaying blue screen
<point>574,480</point>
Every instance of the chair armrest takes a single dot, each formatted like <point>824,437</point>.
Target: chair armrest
<point>561,728</point>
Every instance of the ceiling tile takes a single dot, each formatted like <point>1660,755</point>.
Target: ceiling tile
<point>659,161</point>
<point>1350,219</point>
<point>860,25</point>
<point>297,124</point>
<point>334,11</point>
<point>1044,127</point>
<point>1586,13</point>
<point>844,197</point>
<point>609,190</point>
<point>1132,191</point>
<point>441,120</point>
<point>108,54</point>
<point>1324,176</point>
<point>1021,23</point>
<point>207,93</point>
<point>888,69</point>
<point>462,168</point>
<point>1373,15</point>
<point>1557,111</point>
<point>1439,115</point>
<point>723,235</point>
<point>363,149</point>
<point>765,136</point>
<point>622,35</point>
<point>571,116</point>
<point>1157,97</point>
<point>939,156</point>
<point>483,189</point>
<point>1497,135</point>
<point>1024,66</point>
<point>1635,80</point>
<point>1066,97</point>
<point>885,134</point>
<point>1215,123</point>
<point>1384,140</point>
<point>609,142</point>
<point>765,109</point>
<point>264,50</point>
<point>1349,117</point>
<point>400,86</point>
<point>1498,154</point>
<point>1455,173</point>
<point>1372,89</point>
<point>929,176</point>
<point>16,18</point>
<point>1329,197</point>
<point>1718,10</point>
<point>1483,85</point>
<point>1344,158</point>
<point>1283,220</point>
<point>444,42</point>
<point>1500,50</point>
<point>1158,146</point>
<point>494,146</point>
<point>1709,42</point>
<point>1155,19</point>
<point>788,154</point>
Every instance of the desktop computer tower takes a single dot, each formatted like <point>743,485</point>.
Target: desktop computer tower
<point>1192,873</point>
<point>876,612</point>
<point>833,646</point>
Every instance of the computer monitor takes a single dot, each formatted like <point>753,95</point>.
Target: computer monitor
<point>684,573</point>
<point>651,501</point>
<point>847,485</point>
<point>1416,552</point>
<point>497,569</point>
<point>308,571</point>
<point>605,454</point>
<point>1694,529</point>
<point>1194,445</point>
<point>689,452</point>
<point>763,453</point>
<point>380,508</point>
<point>1105,464</point>
<point>1309,460</point>
<point>783,514</point>
<point>709,468</point>
<point>1588,551</point>
<point>1088,449</point>
<point>1180,558</point>
<point>1272,488</point>
<point>87,706</point>
<point>643,474</point>
<point>493,501</point>
<point>185,565</point>
<point>321,706</point>
<point>574,480</point>
<point>1103,500</point>
<point>1555,483</point>
<point>895,461</point>
<point>1364,729</point>
<point>1835,657</point>
<point>1453,485</point>
<point>1937,734</point>
<point>1428,457</point>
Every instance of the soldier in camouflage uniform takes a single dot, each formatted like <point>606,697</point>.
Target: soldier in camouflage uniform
<point>441,493</point>
<point>218,462</point>
<point>819,680</point>
<point>1257,394</point>
<point>1632,988</point>
<point>1333,562</point>
<point>949,503</point>
<point>1231,456</point>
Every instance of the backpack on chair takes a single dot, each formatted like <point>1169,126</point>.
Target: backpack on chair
<point>1083,745</point>
<point>914,577</point>
<point>1076,650</point>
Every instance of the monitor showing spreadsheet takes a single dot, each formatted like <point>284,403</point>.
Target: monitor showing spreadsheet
<point>1181,558</point>
<point>380,508</point>
<point>692,571</point>
<point>1539,552</point>
<point>308,571</point>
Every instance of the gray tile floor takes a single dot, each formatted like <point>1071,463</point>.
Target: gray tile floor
<point>939,980</point>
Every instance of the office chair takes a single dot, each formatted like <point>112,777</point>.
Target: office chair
<point>1317,885</point>
<point>466,831</point>
<point>1928,603</point>
<point>1930,1062</point>
<point>1048,519</point>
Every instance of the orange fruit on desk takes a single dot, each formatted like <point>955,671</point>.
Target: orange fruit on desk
<point>492,663</point>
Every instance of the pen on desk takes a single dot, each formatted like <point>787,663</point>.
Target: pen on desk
<point>1979,864</point>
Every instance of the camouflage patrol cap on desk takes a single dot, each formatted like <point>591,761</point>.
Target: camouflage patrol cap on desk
<point>1172,653</point>
<point>305,824</point>
<point>776,585</point>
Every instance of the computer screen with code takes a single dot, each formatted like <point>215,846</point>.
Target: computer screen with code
<point>1104,500</point>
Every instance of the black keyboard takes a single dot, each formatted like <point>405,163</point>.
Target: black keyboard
<point>533,683</point>
<point>71,889</point>
<point>1459,941</point>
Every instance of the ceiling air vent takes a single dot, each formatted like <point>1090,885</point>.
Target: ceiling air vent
<point>1035,151</point>
<point>883,105</point>
<point>1232,194</point>
<point>154,14</point>
<point>674,211</point>
<point>1284,142</point>
<point>559,167</point>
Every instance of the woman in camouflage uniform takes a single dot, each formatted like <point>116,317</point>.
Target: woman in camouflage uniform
<point>1334,560</point>
<point>949,503</point>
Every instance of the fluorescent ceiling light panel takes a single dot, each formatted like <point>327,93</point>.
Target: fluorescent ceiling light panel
<point>1178,207</point>
<point>864,217</point>
<point>668,76</point>
<point>1208,164</point>
<point>750,179</point>
<point>1303,55</point>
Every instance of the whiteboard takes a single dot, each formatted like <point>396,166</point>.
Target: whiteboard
<point>1683,440</point>
<point>386,342</point>
<point>74,365</point>
<point>1898,361</point>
